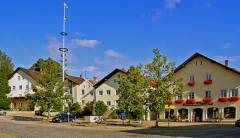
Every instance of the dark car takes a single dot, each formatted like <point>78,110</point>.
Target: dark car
<point>237,123</point>
<point>39,112</point>
<point>63,117</point>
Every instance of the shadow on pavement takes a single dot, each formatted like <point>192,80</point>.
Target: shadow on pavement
<point>209,130</point>
<point>24,118</point>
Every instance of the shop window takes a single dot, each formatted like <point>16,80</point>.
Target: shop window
<point>213,113</point>
<point>230,113</point>
<point>183,114</point>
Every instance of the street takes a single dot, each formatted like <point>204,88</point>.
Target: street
<point>30,129</point>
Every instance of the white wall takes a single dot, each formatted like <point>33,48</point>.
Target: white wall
<point>24,80</point>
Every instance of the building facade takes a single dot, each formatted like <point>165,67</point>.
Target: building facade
<point>106,89</point>
<point>211,91</point>
<point>21,82</point>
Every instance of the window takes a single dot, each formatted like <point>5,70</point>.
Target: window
<point>108,103</point>
<point>234,92</point>
<point>208,94</point>
<point>20,87</point>
<point>191,78</point>
<point>179,97</point>
<point>117,102</point>
<point>83,102</point>
<point>230,112</point>
<point>191,95</point>
<point>223,93</point>
<point>100,92</point>
<point>27,87</point>
<point>108,92</point>
<point>19,77</point>
<point>208,76</point>
<point>83,92</point>
<point>201,62</point>
<point>13,88</point>
<point>196,63</point>
<point>23,77</point>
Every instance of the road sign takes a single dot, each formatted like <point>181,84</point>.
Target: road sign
<point>123,116</point>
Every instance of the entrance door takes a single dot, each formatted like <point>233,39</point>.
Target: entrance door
<point>198,114</point>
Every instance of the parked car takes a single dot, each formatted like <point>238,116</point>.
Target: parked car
<point>2,112</point>
<point>52,113</point>
<point>63,117</point>
<point>39,112</point>
<point>237,123</point>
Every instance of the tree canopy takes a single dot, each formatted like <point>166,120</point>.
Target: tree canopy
<point>133,91</point>
<point>6,68</point>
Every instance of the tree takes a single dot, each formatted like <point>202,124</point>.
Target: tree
<point>49,91</point>
<point>163,85</point>
<point>6,68</point>
<point>101,108</point>
<point>133,91</point>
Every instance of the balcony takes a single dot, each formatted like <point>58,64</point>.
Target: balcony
<point>179,101</point>
<point>207,100</point>
<point>233,98</point>
<point>191,101</point>
<point>208,82</point>
<point>191,83</point>
<point>223,99</point>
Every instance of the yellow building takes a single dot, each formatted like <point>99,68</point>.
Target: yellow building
<point>210,93</point>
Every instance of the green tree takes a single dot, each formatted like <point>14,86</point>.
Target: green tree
<point>49,91</point>
<point>6,68</point>
<point>101,108</point>
<point>133,91</point>
<point>163,85</point>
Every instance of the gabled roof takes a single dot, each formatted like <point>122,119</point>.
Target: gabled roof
<point>77,80</point>
<point>108,76</point>
<point>93,82</point>
<point>32,73</point>
<point>207,58</point>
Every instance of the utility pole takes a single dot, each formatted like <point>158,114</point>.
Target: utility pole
<point>63,49</point>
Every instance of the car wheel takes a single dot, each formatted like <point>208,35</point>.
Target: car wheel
<point>60,121</point>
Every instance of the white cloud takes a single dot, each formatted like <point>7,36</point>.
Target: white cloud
<point>84,42</point>
<point>227,45</point>
<point>100,61</point>
<point>53,45</point>
<point>114,54</point>
<point>171,4</point>
<point>230,58</point>
<point>91,69</point>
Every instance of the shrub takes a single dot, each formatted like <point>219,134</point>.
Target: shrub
<point>114,115</point>
<point>77,108</point>
<point>101,108</point>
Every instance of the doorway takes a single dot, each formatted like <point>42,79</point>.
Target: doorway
<point>198,114</point>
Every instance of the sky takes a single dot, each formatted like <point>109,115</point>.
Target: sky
<point>108,34</point>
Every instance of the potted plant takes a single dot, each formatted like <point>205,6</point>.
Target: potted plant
<point>233,98</point>
<point>179,101</point>
<point>190,101</point>
<point>191,83</point>
<point>207,100</point>
<point>207,82</point>
<point>223,99</point>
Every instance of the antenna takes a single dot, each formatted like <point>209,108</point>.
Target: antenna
<point>63,49</point>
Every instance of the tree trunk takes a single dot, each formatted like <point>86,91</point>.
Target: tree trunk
<point>48,114</point>
<point>156,125</point>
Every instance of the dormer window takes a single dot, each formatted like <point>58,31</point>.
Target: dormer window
<point>19,77</point>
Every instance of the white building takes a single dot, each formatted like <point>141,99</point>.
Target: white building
<point>21,82</point>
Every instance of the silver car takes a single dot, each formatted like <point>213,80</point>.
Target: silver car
<point>2,112</point>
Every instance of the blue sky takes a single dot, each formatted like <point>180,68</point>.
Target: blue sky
<point>107,34</point>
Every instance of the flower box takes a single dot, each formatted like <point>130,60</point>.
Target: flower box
<point>207,100</point>
<point>208,82</point>
<point>223,99</point>
<point>233,98</point>
<point>179,101</point>
<point>190,101</point>
<point>191,83</point>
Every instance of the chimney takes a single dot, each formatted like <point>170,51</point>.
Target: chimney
<point>80,76</point>
<point>226,62</point>
<point>95,78</point>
